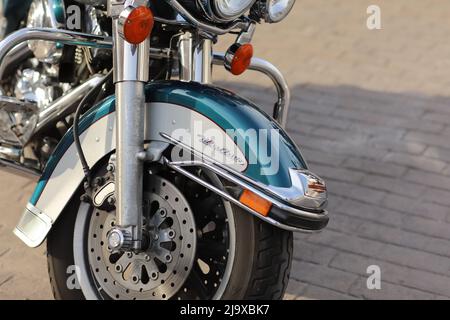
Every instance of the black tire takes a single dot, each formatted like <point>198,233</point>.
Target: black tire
<point>60,254</point>
<point>271,268</point>
<point>262,262</point>
<point>260,272</point>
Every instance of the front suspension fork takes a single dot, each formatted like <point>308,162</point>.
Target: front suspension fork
<point>131,72</point>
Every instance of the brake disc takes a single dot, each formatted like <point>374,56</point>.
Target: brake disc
<point>160,269</point>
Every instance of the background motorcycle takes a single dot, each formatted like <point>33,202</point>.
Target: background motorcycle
<point>129,218</point>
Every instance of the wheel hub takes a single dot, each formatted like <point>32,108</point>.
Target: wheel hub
<point>160,269</point>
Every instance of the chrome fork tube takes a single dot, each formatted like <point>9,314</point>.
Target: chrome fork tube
<point>131,67</point>
<point>203,61</point>
<point>185,55</point>
<point>195,58</point>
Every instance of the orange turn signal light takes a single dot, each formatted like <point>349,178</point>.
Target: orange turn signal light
<point>238,58</point>
<point>137,24</point>
<point>255,202</point>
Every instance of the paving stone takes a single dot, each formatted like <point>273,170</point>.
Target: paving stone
<point>418,162</point>
<point>394,185</point>
<point>322,158</point>
<point>394,274</point>
<point>415,207</point>
<point>322,276</point>
<point>369,212</point>
<point>370,166</point>
<point>388,292</point>
<point>337,173</point>
<point>294,290</point>
<point>314,253</point>
<point>408,239</point>
<point>437,229</point>
<point>430,179</point>
<point>317,293</point>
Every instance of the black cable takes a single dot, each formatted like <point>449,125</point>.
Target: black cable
<point>103,90</point>
<point>85,102</point>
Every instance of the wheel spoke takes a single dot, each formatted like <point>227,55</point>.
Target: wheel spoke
<point>198,284</point>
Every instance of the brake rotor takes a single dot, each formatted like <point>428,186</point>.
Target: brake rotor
<point>161,268</point>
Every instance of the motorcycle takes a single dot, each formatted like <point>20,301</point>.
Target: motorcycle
<point>151,182</point>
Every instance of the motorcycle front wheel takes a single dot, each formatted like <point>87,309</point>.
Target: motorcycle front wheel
<point>198,246</point>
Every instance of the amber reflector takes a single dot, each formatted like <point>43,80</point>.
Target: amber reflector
<point>252,200</point>
<point>138,25</point>
<point>242,59</point>
<point>318,187</point>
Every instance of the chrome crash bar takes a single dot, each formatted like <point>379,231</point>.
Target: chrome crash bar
<point>179,167</point>
<point>281,108</point>
<point>54,35</point>
<point>244,182</point>
<point>67,37</point>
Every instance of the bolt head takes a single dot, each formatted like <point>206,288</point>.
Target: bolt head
<point>135,279</point>
<point>111,200</point>
<point>115,239</point>
<point>99,181</point>
<point>162,212</point>
<point>154,275</point>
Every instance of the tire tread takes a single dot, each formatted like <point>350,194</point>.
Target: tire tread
<point>271,269</point>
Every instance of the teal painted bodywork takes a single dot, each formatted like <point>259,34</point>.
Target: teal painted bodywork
<point>232,112</point>
<point>59,10</point>
<point>226,109</point>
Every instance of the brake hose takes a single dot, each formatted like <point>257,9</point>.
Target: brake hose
<point>76,135</point>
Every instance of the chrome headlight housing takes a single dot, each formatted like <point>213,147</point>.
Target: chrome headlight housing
<point>222,11</point>
<point>231,9</point>
<point>273,11</point>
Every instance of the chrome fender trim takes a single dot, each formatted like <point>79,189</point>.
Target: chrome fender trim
<point>33,227</point>
<point>320,217</point>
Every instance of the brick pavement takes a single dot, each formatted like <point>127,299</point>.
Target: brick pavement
<point>371,110</point>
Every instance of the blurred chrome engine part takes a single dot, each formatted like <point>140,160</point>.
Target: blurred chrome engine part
<point>20,120</point>
<point>15,57</point>
<point>33,86</point>
<point>46,14</point>
<point>16,127</point>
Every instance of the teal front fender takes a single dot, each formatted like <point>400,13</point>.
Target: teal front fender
<point>166,101</point>
<point>235,114</point>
